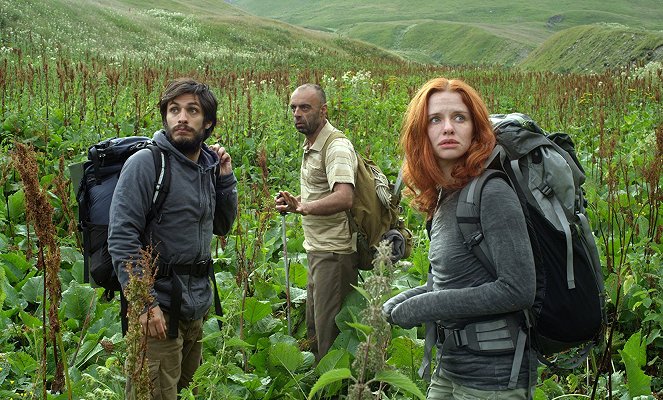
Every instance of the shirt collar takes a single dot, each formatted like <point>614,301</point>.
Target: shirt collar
<point>320,140</point>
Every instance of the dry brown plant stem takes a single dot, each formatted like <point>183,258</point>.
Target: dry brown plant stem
<point>39,212</point>
<point>137,291</point>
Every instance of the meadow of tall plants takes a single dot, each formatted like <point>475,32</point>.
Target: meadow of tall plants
<point>59,339</point>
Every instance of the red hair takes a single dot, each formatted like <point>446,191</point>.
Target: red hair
<point>421,171</point>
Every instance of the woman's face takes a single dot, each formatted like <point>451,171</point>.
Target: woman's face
<point>450,128</point>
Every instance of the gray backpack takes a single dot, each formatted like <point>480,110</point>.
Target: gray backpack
<point>568,309</point>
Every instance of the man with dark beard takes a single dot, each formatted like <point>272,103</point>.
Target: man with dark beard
<point>326,194</point>
<point>202,200</point>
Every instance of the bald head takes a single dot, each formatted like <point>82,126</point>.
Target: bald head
<point>317,89</point>
<point>309,109</point>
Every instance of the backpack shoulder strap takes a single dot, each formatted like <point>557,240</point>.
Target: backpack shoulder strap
<point>468,217</point>
<point>323,152</point>
<point>162,181</point>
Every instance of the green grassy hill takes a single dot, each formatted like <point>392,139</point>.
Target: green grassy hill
<point>205,31</point>
<point>477,32</point>
<point>592,47</point>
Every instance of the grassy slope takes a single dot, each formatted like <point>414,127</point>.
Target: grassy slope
<point>583,48</point>
<point>499,32</point>
<point>152,30</point>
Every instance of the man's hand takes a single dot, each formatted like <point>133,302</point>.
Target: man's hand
<point>225,162</point>
<point>286,202</point>
<point>156,326</point>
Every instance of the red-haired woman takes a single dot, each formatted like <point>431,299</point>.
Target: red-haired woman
<point>482,348</point>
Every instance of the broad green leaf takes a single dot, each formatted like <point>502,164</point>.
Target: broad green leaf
<point>22,363</point>
<point>17,206</point>
<point>365,329</point>
<point>268,324</point>
<point>3,282</point>
<point>329,377</point>
<point>636,349</point>
<point>298,275</point>
<point>286,355</point>
<point>405,353</point>
<point>297,295</point>
<point>70,255</point>
<point>33,290</point>
<point>249,381</point>
<point>259,359</point>
<point>279,337</point>
<point>334,359</point>
<point>255,310</point>
<point>362,292</point>
<point>3,238</point>
<point>639,384</point>
<point>237,342</point>
<point>399,381</point>
<point>78,301</point>
<point>5,369</point>
<point>88,350</point>
<point>208,337</point>
<point>347,340</point>
<point>29,320</point>
<point>15,265</point>
<point>12,298</point>
<point>634,357</point>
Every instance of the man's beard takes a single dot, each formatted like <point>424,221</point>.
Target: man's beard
<point>186,145</point>
<point>308,128</point>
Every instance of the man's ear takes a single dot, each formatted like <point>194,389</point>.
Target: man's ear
<point>323,109</point>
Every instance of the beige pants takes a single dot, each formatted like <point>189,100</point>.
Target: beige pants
<point>330,280</point>
<point>442,388</point>
<point>172,362</point>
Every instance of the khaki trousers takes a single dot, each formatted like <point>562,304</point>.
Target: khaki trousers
<point>442,388</point>
<point>172,362</point>
<point>330,280</point>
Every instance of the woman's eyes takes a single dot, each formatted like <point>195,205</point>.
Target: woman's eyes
<point>456,118</point>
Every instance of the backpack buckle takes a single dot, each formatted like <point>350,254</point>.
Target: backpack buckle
<point>545,190</point>
<point>474,240</point>
<point>460,337</point>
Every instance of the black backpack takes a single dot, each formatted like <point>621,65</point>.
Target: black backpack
<point>544,171</point>
<point>100,175</point>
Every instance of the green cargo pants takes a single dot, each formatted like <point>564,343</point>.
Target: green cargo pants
<point>172,362</point>
<point>441,388</point>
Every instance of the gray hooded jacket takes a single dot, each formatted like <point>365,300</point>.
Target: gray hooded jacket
<point>464,291</point>
<point>193,210</point>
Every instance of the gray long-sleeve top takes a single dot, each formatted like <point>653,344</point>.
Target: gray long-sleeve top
<point>193,210</point>
<point>464,290</point>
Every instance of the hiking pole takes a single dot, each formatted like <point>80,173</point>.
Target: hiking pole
<point>287,271</point>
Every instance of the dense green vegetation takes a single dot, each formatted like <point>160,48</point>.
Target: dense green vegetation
<point>499,32</point>
<point>60,93</point>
